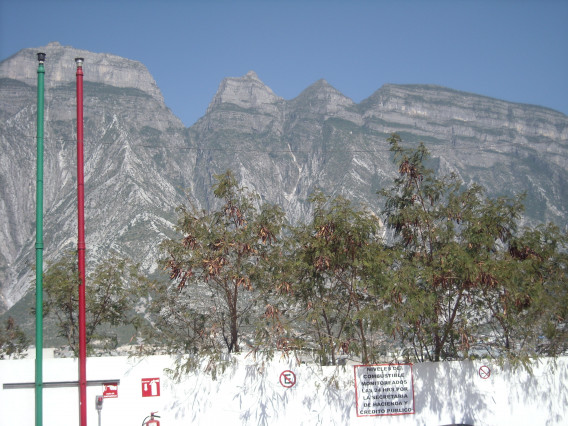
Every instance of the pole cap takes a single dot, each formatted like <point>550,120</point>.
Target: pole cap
<point>79,62</point>
<point>41,57</point>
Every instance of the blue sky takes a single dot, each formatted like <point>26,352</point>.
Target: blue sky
<point>516,50</point>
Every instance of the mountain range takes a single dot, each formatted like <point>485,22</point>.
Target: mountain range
<point>141,162</point>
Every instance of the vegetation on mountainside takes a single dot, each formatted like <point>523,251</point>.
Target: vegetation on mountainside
<point>110,292</point>
<point>228,254</point>
<point>13,340</point>
<point>466,280</point>
<point>457,277</point>
<point>333,266</point>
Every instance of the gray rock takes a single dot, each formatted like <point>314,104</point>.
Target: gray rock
<point>141,162</point>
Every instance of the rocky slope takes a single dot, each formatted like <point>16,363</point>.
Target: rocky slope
<point>125,125</point>
<point>141,162</point>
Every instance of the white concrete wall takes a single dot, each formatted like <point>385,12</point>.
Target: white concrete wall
<point>251,394</point>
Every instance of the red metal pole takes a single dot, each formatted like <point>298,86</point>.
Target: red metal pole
<point>81,249</point>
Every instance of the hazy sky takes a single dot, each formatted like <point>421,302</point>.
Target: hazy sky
<point>516,50</point>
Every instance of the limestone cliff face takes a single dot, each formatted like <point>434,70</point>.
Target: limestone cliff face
<point>98,68</point>
<point>451,114</point>
<point>245,92</point>
<point>506,147</point>
<point>126,122</point>
<point>322,138</point>
<point>237,103</point>
<point>141,162</point>
<point>322,99</point>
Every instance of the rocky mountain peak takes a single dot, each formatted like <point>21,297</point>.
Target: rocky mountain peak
<point>321,89</point>
<point>247,91</point>
<point>322,98</point>
<point>251,75</point>
<point>61,69</point>
<point>141,162</point>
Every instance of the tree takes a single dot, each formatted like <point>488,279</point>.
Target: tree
<point>221,261</point>
<point>13,341</point>
<point>109,298</point>
<point>531,310</point>
<point>334,262</point>
<point>466,280</point>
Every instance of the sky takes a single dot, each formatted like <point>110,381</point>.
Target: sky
<point>515,50</point>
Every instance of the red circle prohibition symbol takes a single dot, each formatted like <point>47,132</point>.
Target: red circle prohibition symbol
<point>287,379</point>
<point>484,372</point>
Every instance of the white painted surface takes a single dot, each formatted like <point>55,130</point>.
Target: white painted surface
<point>251,394</point>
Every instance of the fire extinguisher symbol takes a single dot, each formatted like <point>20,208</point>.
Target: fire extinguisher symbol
<point>151,387</point>
<point>152,422</point>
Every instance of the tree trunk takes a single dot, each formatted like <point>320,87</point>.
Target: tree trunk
<point>363,342</point>
<point>329,336</point>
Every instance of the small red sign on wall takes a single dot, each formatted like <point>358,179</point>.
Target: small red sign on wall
<point>151,387</point>
<point>110,390</point>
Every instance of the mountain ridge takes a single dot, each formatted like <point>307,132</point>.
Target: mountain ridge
<point>142,162</point>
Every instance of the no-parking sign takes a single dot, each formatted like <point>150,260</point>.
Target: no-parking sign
<point>287,379</point>
<point>484,372</point>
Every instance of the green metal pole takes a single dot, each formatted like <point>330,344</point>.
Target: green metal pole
<point>39,247</point>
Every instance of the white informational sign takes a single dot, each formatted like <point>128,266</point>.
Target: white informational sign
<point>384,390</point>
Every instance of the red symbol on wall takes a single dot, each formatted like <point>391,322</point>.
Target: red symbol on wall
<point>484,372</point>
<point>151,387</point>
<point>110,390</point>
<point>287,379</point>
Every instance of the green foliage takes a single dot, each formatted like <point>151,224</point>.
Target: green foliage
<point>532,308</point>
<point>110,295</point>
<point>13,341</point>
<point>458,279</point>
<point>335,262</point>
<point>219,270</point>
<point>466,281</point>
